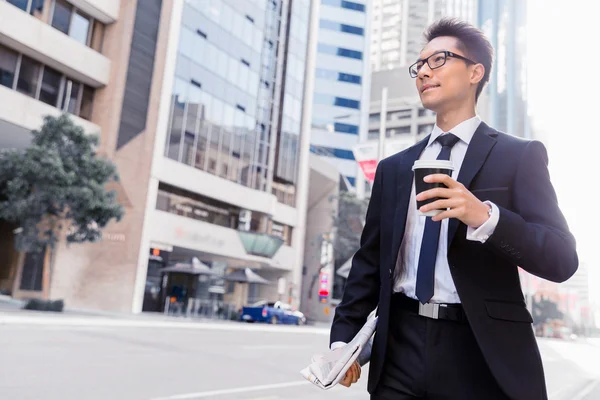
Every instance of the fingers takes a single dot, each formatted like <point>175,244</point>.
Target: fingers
<point>452,213</point>
<point>441,204</point>
<point>435,192</point>
<point>347,381</point>
<point>441,178</point>
<point>352,375</point>
<point>356,372</point>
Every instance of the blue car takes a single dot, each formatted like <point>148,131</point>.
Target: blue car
<point>273,313</point>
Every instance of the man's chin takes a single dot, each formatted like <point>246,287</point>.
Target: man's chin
<point>429,105</point>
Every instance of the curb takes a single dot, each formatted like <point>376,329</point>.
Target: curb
<point>68,321</point>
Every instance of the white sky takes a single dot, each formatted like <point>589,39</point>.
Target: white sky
<point>564,85</point>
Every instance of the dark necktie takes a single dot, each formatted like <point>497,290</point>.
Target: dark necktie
<point>431,236</point>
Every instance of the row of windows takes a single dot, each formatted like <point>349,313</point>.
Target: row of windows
<point>320,98</point>
<point>350,5</point>
<point>336,26</point>
<point>337,76</point>
<point>400,114</point>
<point>338,51</point>
<point>335,126</point>
<point>187,204</point>
<point>27,76</point>
<point>332,152</point>
<point>424,129</point>
<point>67,19</point>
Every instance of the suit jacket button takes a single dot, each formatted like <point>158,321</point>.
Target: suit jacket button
<point>390,271</point>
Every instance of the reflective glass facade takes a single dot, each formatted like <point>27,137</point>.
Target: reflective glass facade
<point>296,17</point>
<point>398,26</point>
<point>338,99</point>
<point>227,88</point>
<point>505,23</point>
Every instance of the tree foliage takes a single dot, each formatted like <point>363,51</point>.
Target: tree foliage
<point>348,223</point>
<point>56,184</point>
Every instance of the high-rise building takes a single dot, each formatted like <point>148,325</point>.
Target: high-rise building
<point>199,103</point>
<point>505,24</point>
<point>398,26</point>
<point>341,95</point>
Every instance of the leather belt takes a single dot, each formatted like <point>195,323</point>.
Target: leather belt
<point>450,312</point>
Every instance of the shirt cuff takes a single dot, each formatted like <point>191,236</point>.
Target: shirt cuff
<point>486,230</point>
<point>337,345</point>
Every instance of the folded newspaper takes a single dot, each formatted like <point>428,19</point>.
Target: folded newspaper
<point>328,369</point>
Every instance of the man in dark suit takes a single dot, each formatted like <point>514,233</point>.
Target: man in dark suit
<point>453,323</point>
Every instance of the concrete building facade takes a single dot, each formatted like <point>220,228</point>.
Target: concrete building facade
<point>200,104</point>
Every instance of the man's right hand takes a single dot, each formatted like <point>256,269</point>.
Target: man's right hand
<point>352,375</point>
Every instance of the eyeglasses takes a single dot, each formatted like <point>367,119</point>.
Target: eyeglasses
<point>436,60</point>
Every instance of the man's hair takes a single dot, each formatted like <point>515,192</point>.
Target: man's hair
<point>470,41</point>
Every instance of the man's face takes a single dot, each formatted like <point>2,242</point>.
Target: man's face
<point>449,84</point>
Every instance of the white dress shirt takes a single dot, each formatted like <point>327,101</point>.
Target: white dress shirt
<point>444,290</point>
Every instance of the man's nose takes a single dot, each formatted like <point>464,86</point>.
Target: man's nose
<point>424,71</point>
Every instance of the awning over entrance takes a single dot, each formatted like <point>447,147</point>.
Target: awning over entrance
<point>195,268</point>
<point>246,275</point>
<point>260,244</point>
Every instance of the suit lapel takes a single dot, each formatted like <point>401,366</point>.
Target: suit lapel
<point>481,144</point>
<point>404,180</point>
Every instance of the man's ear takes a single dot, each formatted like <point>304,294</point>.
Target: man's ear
<point>477,73</point>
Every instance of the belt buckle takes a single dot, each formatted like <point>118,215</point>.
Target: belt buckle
<point>429,310</point>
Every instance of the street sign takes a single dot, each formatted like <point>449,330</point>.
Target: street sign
<point>366,153</point>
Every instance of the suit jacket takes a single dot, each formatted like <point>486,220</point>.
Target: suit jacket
<point>531,233</point>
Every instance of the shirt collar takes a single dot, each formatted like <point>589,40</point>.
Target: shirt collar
<point>465,130</point>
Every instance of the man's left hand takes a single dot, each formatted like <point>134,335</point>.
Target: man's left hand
<point>455,200</point>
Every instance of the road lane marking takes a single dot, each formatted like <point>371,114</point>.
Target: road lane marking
<point>199,395</point>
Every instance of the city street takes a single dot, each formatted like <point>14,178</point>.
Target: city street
<point>90,359</point>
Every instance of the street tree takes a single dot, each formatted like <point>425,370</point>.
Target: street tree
<point>56,188</point>
<point>348,224</point>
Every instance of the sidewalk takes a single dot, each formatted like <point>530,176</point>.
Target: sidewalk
<point>11,313</point>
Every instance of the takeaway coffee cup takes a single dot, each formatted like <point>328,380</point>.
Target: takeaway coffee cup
<point>422,168</point>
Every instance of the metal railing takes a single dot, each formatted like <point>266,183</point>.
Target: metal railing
<point>199,308</point>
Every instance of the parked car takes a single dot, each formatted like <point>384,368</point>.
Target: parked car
<point>273,313</point>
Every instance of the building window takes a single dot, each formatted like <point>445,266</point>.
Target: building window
<point>8,66</point>
<point>29,75</point>
<point>345,128</point>
<point>425,129</point>
<point>282,231</point>
<point>336,26</point>
<point>87,99</point>
<point>71,21</point>
<point>350,5</point>
<point>33,271</point>
<point>401,114</point>
<point>338,51</point>
<point>424,112</point>
<point>22,4</point>
<point>55,89</point>
<point>397,131</point>
<point>320,98</point>
<point>33,7</point>
<point>331,152</point>
<point>49,91</point>
<point>196,206</point>
<point>80,28</point>
<point>61,17</point>
<point>374,118</point>
<point>337,76</point>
